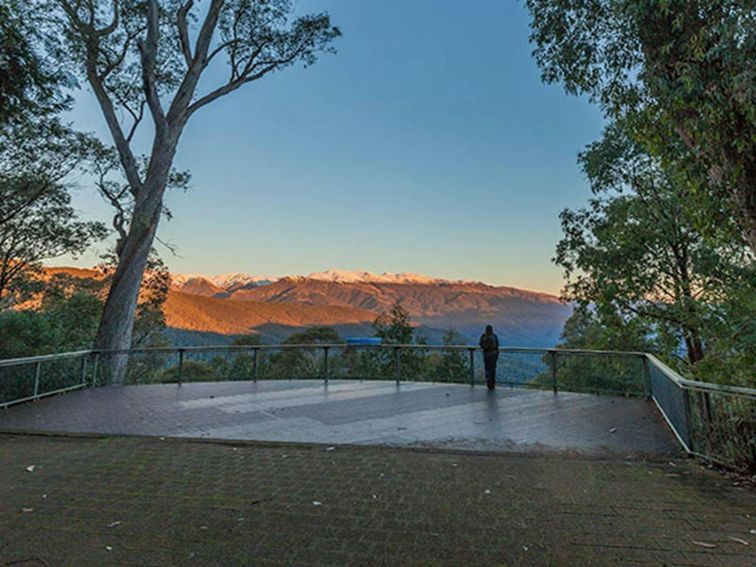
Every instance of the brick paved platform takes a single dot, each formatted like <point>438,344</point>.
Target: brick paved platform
<point>113,501</point>
<point>367,413</point>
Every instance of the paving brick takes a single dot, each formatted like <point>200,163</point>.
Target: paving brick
<point>182,502</point>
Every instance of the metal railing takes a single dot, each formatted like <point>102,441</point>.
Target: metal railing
<point>712,421</point>
<point>709,420</point>
<point>34,377</point>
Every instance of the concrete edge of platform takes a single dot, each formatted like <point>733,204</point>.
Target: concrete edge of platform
<point>524,452</point>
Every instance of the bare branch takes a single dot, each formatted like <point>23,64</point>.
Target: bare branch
<point>113,24</point>
<point>183,29</point>
<point>137,120</point>
<point>148,50</point>
<point>177,113</point>
<point>172,248</point>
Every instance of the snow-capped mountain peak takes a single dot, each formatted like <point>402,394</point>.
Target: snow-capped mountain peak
<point>354,276</point>
<point>223,281</point>
<point>235,280</point>
<point>238,278</point>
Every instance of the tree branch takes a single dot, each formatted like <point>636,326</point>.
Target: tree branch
<point>91,41</point>
<point>183,30</point>
<point>148,50</point>
<point>177,113</point>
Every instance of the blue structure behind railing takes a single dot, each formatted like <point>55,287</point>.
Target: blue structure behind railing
<point>709,420</point>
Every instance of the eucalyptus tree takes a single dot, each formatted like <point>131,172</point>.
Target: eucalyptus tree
<point>148,61</point>
<point>680,70</point>
<point>636,258</point>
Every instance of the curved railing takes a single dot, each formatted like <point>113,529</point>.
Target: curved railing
<point>709,420</point>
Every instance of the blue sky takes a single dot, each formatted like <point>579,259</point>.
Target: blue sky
<point>427,144</point>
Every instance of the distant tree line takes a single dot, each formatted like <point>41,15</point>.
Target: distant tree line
<point>394,328</point>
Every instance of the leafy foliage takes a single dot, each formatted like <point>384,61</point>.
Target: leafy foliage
<point>29,85</point>
<point>680,72</point>
<point>642,273</point>
<point>45,229</point>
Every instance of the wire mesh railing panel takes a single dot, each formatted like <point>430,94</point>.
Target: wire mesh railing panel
<point>355,362</point>
<point>530,368</point>
<point>723,427</point>
<point>17,382</point>
<point>672,400</point>
<point>36,377</point>
<point>596,373</point>
<point>63,374</point>
<point>306,363</point>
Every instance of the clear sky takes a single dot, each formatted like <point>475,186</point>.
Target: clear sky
<point>427,144</point>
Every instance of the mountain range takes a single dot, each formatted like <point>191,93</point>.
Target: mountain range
<point>207,310</point>
<point>350,300</point>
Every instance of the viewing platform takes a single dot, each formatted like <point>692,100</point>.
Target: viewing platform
<point>593,402</point>
<point>360,413</point>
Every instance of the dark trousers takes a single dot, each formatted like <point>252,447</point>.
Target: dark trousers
<point>489,361</point>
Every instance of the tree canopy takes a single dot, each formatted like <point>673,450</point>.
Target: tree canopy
<point>639,268</point>
<point>680,72</point>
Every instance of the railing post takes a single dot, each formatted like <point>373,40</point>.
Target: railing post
<point>95,364</point>
<point>181,366</point>
<point>254,366</point>
<point>554,385</point>
<point>37,370</point>
<point>472,367</point>
<point>325,363</point>
<point>397,368</point>
<point>83,370</point>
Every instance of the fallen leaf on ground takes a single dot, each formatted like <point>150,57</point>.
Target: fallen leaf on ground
<point>486,491</point>
<point>744,542</point>
<point>108,548</point>
<point>316,503</point>
<point>27,510</point>
<point>704,544</point>
<point>30,468</point>
<point>330,448</point>
<point>613,430</point>
<point>114,524</point>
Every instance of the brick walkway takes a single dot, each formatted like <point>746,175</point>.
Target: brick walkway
<point>371,412</point>
<point>145,501</point>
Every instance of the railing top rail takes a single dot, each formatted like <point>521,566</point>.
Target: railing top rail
<point>44,358</point>
<point>534,350</point>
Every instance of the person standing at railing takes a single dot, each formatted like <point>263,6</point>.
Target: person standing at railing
<point>489,342</point>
